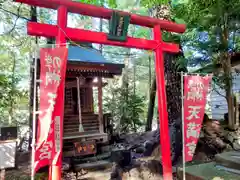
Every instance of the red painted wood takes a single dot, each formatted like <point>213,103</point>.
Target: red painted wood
<point>62,24</point>
<point>95,11</point>
<point>55,169</point>
<point>162,108</point>
<point>80,35</point>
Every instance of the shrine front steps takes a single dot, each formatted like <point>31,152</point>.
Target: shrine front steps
<point>206,171</point>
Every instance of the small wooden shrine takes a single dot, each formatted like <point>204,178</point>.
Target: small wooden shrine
<point>86,68</point>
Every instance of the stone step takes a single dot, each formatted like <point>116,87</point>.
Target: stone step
<point>69,134</point>
<point>93,165</point>
<point>103,156</point>
<point>206,171</point>
<point>83,117</point>
<point>76,129</point>
<point>77,117</point>
<point>77,120</point>
<point>90,122</point>
<point>85,124</point>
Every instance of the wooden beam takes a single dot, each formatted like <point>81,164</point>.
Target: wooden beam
<point>38,29</point>
<point>93,84</point>
<point>73,75</point>
<point>95,68</point>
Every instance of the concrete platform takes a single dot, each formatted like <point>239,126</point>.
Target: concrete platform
<point>207,171</point>
<point>229,160</point>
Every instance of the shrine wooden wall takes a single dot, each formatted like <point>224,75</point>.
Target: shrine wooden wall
<point>71,100</point>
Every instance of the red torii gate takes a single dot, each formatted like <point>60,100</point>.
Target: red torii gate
<point>61,32</point>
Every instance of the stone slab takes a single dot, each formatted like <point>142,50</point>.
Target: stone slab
<point>229,159</point>
<point>104,164</point>
<point>207,171</point>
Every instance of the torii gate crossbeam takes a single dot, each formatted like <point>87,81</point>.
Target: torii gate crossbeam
<point>61,32</point>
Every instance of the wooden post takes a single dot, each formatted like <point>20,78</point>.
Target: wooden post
<point>162,107</point>
<point>56,170</point>
<point>79,106</point>
<point>100,108</point>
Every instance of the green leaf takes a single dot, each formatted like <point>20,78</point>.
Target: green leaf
<point>112,3</point>
<point>179,21</point>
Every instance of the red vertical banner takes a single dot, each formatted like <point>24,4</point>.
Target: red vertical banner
<point>48,149</point>
<point>195,98</point>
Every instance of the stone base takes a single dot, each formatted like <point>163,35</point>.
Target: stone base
<point>207,171</point>
<point>229,160</point>
<point>103,164</point>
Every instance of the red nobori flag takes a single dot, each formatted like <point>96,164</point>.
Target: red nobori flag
<point>195,98</point>
<point>50,122</point>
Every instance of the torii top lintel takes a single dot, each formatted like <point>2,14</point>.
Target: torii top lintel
<point>61,32</point>
<point>100,12</point>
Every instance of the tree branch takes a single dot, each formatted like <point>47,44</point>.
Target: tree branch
<point>214,88</point>
<point>15,22</point>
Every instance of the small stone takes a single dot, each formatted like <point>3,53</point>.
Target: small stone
<point>236,145</point>
<point>231,136</point>
<point>217,178</point>
<point>140,150</point>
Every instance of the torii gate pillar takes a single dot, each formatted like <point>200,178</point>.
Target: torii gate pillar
<point>61,32</point>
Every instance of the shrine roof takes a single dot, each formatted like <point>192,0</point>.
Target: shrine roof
<point>84,54</point>
<point>91,62</point>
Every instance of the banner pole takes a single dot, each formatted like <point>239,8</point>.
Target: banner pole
<point>34,114</point>
<point>183,134</point>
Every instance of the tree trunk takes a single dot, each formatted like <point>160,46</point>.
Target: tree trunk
<point>149,74</point>
<point>151,105</point>
<point>173,90</point>
<point>173,87</point>
<point>225,60</point>
<point>228,88</point>
<point>33,13</point>
<point>125,94</point>
<point>11,98</point>
<point>160,12</point>
<point>173,79</point>
<point>173,93</point>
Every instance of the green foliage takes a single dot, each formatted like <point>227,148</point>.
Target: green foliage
<point>15,47</point>
<point>219,20</point>
<point>182,64</point>
<point>152,3</point>
<point>209,13</point>
<point>4,86</point>
<point>95,2</point>
<point>126,107</point>
<point>110,3</point>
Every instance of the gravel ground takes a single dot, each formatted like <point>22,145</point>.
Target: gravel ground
<point>23,173</point>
